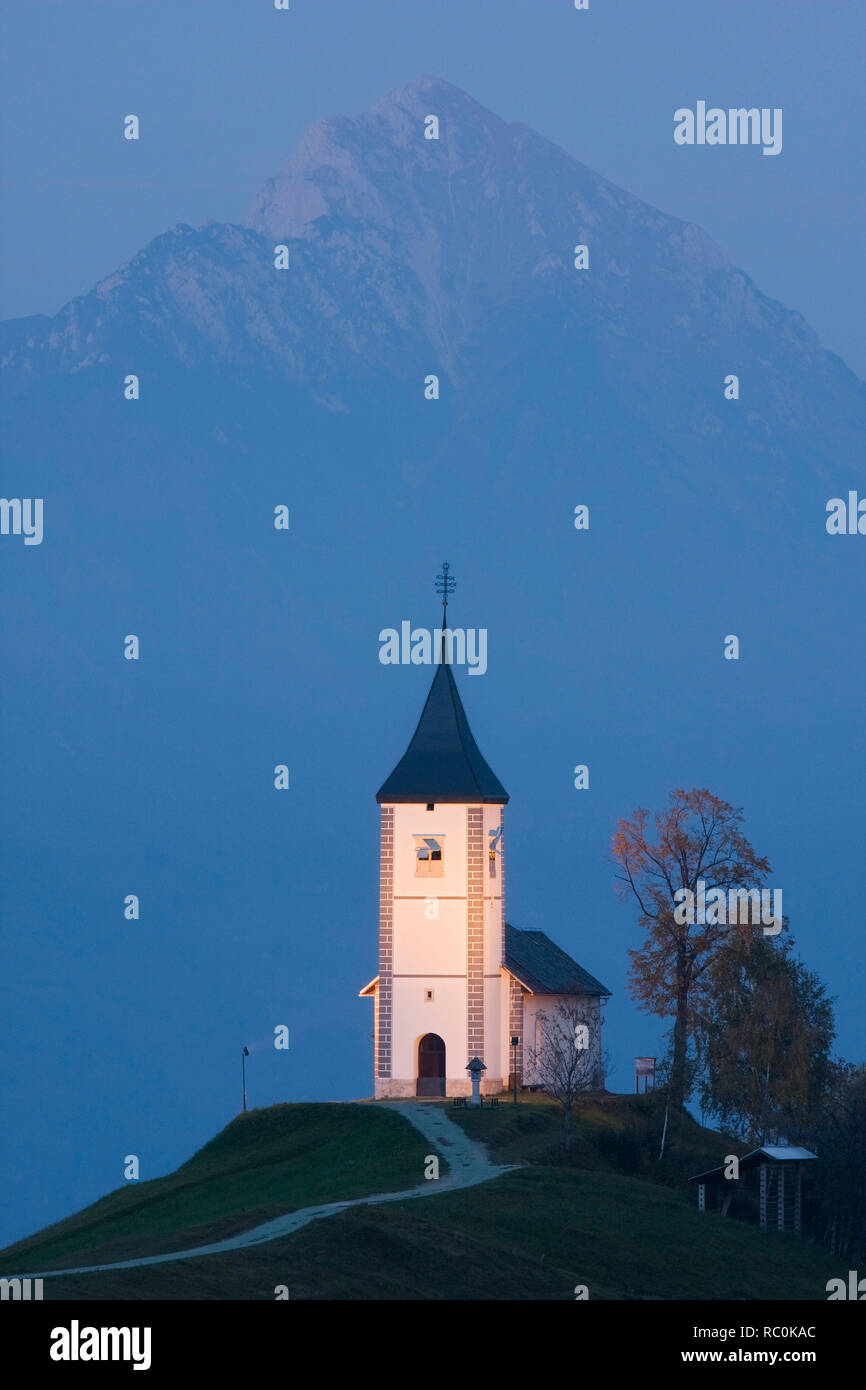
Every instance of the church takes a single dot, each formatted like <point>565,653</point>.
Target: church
<point>456,981</point>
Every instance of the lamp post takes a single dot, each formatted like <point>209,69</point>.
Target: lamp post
<point>244,1055</point>
<point>514,1042</point>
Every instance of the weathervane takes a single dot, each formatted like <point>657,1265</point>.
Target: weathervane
<point>445,585</point>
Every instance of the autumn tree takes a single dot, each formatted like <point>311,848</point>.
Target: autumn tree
<point>763,1030</point>
<point>568,1058</point>
<point>696,837</point>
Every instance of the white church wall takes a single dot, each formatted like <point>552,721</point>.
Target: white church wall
<point>430,949</point>
<point>548,1004</point>
<point>493,1077</point>
<point>532,1005</point>
<point>414,1016</point>
<point>447,820</point>
<point>428,944</point>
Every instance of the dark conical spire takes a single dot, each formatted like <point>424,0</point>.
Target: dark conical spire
<point>443,761</point>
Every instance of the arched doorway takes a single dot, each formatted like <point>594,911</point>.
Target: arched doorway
<point>431,1066</point>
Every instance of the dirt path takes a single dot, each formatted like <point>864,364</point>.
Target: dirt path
<point>468,1166</point>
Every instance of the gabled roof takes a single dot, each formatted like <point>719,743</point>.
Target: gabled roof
<point>542,968</point>
<point>777,1153</point>
<point>783,1153</point>
<point>442,762</point>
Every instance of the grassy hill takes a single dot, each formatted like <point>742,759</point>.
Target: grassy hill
<point>534,1233</point>
<point>263,1164</point>
<point>611,1133</point>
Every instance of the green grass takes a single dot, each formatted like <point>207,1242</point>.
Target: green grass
<point>613,1219</point>
<point>610,1133</point>
<point>531,1234</point>
<point>263,1164</point>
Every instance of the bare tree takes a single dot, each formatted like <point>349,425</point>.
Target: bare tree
<point>569,1058</point>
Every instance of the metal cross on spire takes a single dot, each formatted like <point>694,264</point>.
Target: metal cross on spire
<point>445,585</point>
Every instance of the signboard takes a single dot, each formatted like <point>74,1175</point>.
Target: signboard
<point>644,1067</point>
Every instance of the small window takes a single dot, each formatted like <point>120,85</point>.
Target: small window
<point>429,856</point>
<point>428,996</point>
<point>430,806</point>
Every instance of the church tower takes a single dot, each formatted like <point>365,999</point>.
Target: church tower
<point>438,995</point>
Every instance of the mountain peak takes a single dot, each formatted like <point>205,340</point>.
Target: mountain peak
<point>435,95</point>
<point>414,256</point>
<point>358,166</point>
<point>462,217</point>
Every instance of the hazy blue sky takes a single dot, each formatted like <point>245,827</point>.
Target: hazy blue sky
<point>224,88</point>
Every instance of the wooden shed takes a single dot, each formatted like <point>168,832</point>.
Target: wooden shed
<point>779,1170</point>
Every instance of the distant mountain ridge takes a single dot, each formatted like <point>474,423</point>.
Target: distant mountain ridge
<point>412,256</point>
